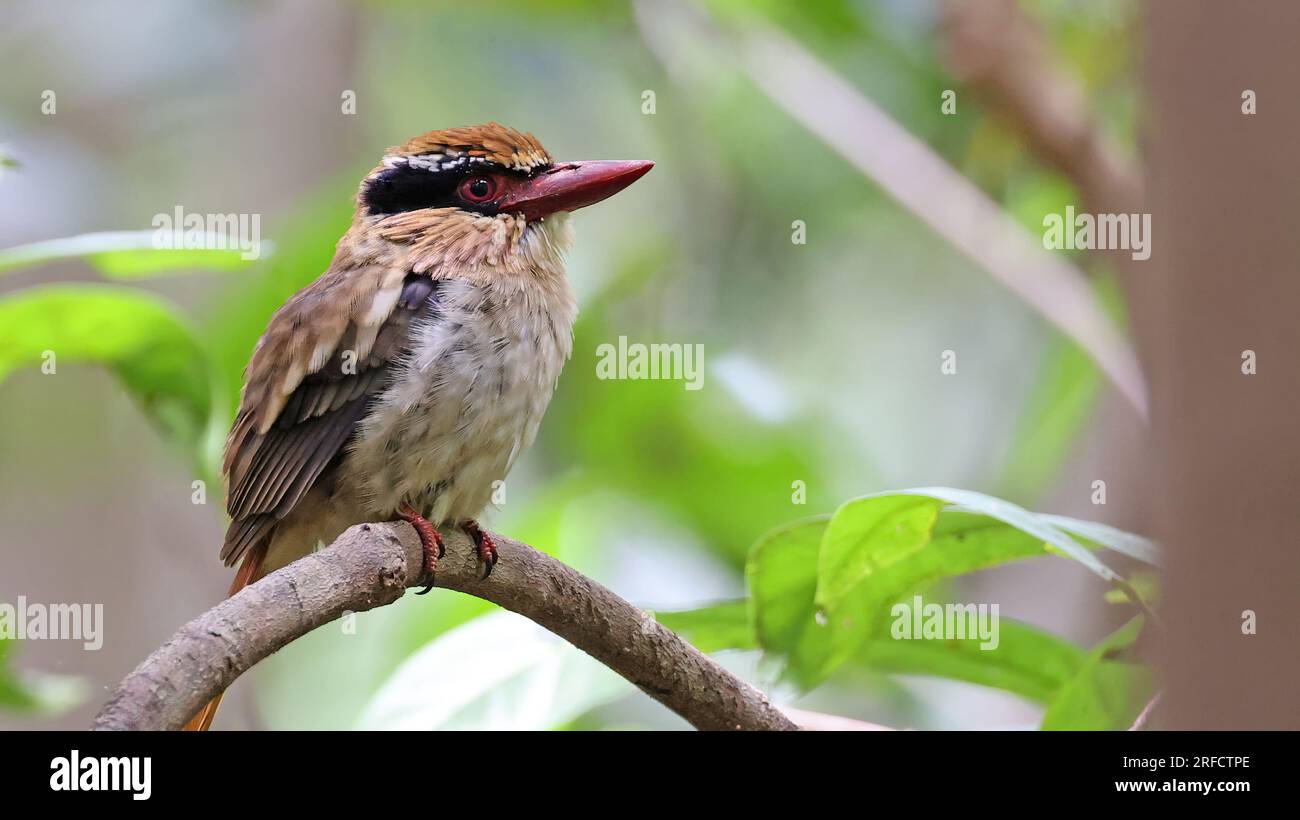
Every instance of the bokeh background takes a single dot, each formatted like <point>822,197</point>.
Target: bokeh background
<point>822,359</point>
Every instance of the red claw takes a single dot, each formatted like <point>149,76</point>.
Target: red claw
<point>487,548</point>
<point>430,540</point>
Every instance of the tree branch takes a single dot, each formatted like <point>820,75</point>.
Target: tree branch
<point>371,565</point>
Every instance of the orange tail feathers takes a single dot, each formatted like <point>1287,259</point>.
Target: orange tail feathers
<point>247,573</point>
<point>203,720</point>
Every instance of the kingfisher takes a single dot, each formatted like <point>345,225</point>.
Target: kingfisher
<point>406,381</point>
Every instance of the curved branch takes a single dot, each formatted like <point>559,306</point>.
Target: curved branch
<point>371,565</point>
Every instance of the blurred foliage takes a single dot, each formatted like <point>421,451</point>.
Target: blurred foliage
<point>821,338</point>
<point>36,693</point>
<point>541,683</point>
<point>142,338</point>
<point>1062,399</point>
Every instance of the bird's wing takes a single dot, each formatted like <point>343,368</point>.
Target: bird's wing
<point>325,355</point>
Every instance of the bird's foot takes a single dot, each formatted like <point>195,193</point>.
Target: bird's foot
<point>487,548</point>
<point>430,540</point>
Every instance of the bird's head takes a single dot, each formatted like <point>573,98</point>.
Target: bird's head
<point>483,196</point>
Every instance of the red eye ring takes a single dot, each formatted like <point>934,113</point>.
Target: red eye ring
<point>478,189</point>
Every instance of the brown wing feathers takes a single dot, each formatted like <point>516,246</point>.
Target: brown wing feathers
<point>311,381</point>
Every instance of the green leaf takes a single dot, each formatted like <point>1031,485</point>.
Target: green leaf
<point>867,534</point>
<point>138,335</point>
<point>1103,535</point>
<point>782,580</point>
<point>782,575</point>
<point>1108,691</point>
<point>960,542</point>
<point>498,671</point>
<point>129,254</point>
<point>1022,519</point>
<point>713,628</point>
<point>902,556</point>
<point>1145,584</point>
<point>1027,661</point>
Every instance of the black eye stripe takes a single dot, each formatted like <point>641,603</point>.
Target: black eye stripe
<point>414,183</point>
<point>408,188</point>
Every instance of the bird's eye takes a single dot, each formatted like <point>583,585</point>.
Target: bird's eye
<point>478,189</point>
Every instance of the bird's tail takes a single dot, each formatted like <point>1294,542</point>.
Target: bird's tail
<point>247,574</point>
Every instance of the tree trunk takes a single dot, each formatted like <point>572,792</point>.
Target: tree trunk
<point>1224,278</point>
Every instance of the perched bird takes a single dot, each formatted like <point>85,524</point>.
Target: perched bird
<point>408,378</point>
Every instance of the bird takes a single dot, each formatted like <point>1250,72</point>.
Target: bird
<point>405,381</point>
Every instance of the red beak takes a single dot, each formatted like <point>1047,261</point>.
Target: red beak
<point>568,186</point>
